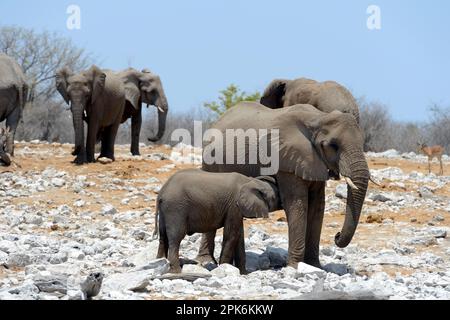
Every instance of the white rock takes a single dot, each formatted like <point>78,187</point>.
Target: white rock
<point>105,161</point>
<point>18,260</point>
<point>341,191</point>
<point>337,268</point>
<point>438,232</point>
<point>225,270</point>
<point>109,210</point>
<point>3,257</point>
<point>145,256</point>
<point>194,268</point>
<point>58,182</point>
<point>79,203</point>
<point>304,269</point>
<point>133,281</point>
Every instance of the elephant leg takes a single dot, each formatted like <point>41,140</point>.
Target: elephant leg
<point>91,141</point>
<point>231,235</point>
<point>175,234</point>
<point>207,246</point>
<point>294,198</point>
<point>12,122</point>
<point>109,141</point>
<point>239,253</point>
<point>174,255</point>
<point>136,124</point>
<point>163,239</point>
<point>316,207</point>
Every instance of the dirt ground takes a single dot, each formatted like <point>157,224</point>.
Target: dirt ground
<point>371,232</point>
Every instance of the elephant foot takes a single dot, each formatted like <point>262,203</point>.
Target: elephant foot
<point>80,160</point>
<point>76,151</point>
<point>175,269</point>
<point>135,152</point>
<point>243,272</point>
<point>314,263</point>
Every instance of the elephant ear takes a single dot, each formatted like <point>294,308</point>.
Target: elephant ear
<point>62,83</point>
<point>298,154</point>
<point>251,201</point>
<point>98,82</point>
<point>273,96</point>
<point>132,95</point>
<point>132,88</point>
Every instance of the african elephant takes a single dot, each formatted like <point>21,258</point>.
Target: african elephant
<point>143,87</point>
<point>13,95</point>
<point>326,96</point>
<point>99,98</point>
<point>4,156</point>
<point>312,146</point>
<point>194,201</point>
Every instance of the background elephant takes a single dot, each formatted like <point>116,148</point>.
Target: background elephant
<point>143,87</point>
<point>99,98</point>
<point>13,95</point>
<point>194,201</point>
<point>326,96</point>
<point>312,144</point>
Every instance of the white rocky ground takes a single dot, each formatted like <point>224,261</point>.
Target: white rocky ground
<point>65,230</point>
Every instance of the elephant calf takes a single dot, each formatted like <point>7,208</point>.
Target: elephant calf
<point>195,201</point>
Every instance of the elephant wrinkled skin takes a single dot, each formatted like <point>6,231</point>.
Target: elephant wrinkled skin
<point>97,97</point>
<point>13,96</point>
<point>313,146</point>
<point>194,201</point>
<point>143,87</point>
<point>326,96</point>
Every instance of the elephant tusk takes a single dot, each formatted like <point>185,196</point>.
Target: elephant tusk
<point>161,110</point>
<point>350,183</point>
<point>374,181</point>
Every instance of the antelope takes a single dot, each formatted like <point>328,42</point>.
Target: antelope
<point>432,152</point>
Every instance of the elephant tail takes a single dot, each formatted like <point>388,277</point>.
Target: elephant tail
<point>156,232</point>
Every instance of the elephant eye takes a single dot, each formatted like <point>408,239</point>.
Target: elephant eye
<point>334,146</point>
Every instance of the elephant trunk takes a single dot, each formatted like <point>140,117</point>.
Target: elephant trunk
<point>77,114</point>
<point>163,109</point>
<point>357,176</point>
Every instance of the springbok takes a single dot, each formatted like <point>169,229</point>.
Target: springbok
<point>432,152</point>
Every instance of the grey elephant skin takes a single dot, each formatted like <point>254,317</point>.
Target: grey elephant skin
<point>98,97</point>
<point>326,96</point>
<point>143,87</point>
<point>13,95</point>
<point>195,201</point>
<point>313,146</point>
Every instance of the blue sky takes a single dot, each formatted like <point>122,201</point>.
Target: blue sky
<point>199,47</point>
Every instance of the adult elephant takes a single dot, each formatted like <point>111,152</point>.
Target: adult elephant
<point>312,144</point>
<point>13,94</point>
<point>326,96</point>
<point>97,97</point>
<point>143,87</point>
